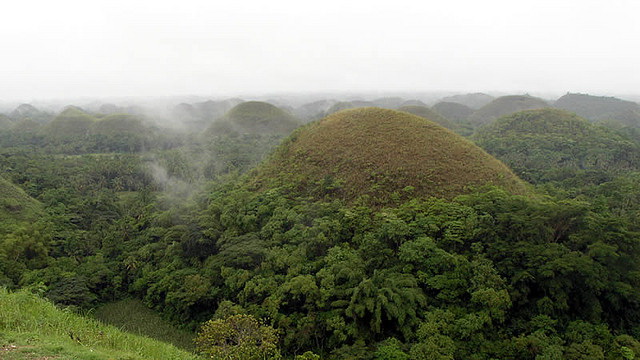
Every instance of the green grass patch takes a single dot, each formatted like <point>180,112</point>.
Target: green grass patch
<point>132,316</point>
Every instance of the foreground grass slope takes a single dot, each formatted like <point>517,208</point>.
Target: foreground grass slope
<point>33,328</point>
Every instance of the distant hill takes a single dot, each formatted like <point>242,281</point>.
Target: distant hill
<point>200,115</point>
<point>429,114</point>
<point>505,105</point>
<point>344,105</point>
<point>456,112</point>
<point>413,102</point>
<point>382,154</point>
<point>28,111</point>
<point>314,110</point>
<point>5,122</point>
<point>71,124</point>
<point>601,108</point>
<point>474,101</point>
<point>118,124</point>
<point>255,117</point>
<point>388,102</point>
<point>548,144</point>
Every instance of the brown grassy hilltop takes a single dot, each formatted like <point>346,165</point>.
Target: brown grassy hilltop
<point>255,117</point>
<point>383,154</point>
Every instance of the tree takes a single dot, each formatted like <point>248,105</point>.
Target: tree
<point>238,337</point>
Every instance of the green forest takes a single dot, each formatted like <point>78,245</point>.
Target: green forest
<point>507,230</point>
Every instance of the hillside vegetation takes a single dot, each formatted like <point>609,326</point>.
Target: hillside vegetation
<point>15,204</point>
<point>550,144</point>
<point>378,152</point>
<point>456,112</point>
<point>601,108</point>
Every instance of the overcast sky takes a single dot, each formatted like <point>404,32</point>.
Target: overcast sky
<point>70,48</point>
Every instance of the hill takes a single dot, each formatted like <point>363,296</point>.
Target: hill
<point>118,125</point>
<point>314,110</point>
<point>429,114</point>
<point>505,105</point>
<point>345,105</point>
<point>456,112</point>
<point>255,117</point>
<point>543,144</point>
<point>5,122</point>
<point>28,111</point>
<point>388,102</point>
<point>199,115</point>
<point>379,153</point>
<point>15,204</point>
<point>32,328</point>
<point>601,108</point>
<point>71,124</point>
<point>474,101</point>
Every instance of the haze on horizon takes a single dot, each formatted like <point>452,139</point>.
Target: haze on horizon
<point>73,48</point>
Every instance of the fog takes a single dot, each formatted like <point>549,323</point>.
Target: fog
<point>115,48</point>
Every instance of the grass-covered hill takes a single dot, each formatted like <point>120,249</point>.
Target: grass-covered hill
<point>456,112</point>
<point>199,115</point>
<point>549,143</point>
<point>429,114</point>
<point>388,102</point>
<point>505,105</point>
<point>33,328</point>
<point>71,124</point>
<point>382,154</point>
<point>255,117</point>
<point>28,111</point>
<point>313,110</point>
<point>119,124</point>
<point>15,204</point>
<point>601,108</point>
<point>474,101</point>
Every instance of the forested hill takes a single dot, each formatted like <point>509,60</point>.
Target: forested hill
<point>541,145</point>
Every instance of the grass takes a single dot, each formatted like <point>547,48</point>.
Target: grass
<point>132,316</point>
<point>33,328</point>
<point>380,153</point>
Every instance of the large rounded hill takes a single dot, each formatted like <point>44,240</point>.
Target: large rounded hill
<point>383,154</point>
<point>255,117</point>
<point>544,144</point>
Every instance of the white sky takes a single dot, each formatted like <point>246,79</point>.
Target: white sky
<point>70,48</point>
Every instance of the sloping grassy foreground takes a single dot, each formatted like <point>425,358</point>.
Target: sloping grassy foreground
<point>132,316</point>
<point>33,328</point>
